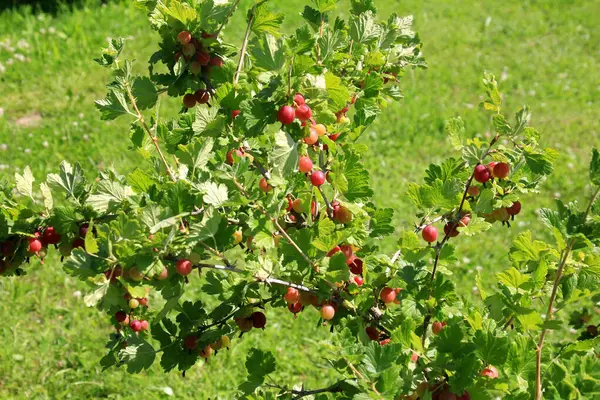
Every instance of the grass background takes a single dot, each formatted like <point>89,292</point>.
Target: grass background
<point>545,55</point>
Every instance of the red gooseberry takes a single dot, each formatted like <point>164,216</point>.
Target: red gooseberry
<point>514,209</point>
<point>183,267</point>
<point>482,173</point>
<point>437,327</point>
<point>184,37</point>
<point>327,312</point>
<point>299,99</point>
<point>264,185</point>
<point>189,100</point>
<point>387,295</point>
<point>291,295</point>
<point>295,308</point>
<point>305,164</point>
<point>259,320</point>
<point>286,115</point>
<point>317,178</point>
<point>430,233</point>
<point>501,170</point>
<point>358,280</point>
<point>303,112</point>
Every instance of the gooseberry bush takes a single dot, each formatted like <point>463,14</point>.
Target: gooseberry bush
<point>255,192</point>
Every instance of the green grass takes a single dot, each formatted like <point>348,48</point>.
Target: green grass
<point>547,56</point>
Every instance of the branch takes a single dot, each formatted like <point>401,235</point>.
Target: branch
<point>236,77</point>
<point>335,388</point>
<point>231,10</point>
<point>549,313</point>
<point>152,137</point>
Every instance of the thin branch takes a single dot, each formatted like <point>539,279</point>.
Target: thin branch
<point>327,204</point>
<point>147,129</point>
<point>335,388</point>
<point>550,313</point>
<point>236,77</point>
<point>229,14</point>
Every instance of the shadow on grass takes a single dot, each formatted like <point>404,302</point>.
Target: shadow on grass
<point>47,6</point>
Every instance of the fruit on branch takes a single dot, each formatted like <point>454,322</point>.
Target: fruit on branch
<point>358,280</point>
<point>312,137</point>
<point>342,215</point>
<point>190,342</point>
<point>333,251</point>
<point>303,112</point>
<point>490,371</point>
<point>387,295</point>
<point>437,327</point>
<point>143,301</point>
<point>135,274</point>
<point>501,170</point>
<point>259,320</point>
<point>163,275</point>
<point>134,303</point>
<point>286,115</point>
<point>464,396</point>
<point>183,267</point>
<point>202,96</point>
<point>501,214</point>
<point>223,341</point>
<point>136,325</point>
<point>430,233</point>
<point>514,209</point>
<point>320,129</point>
<point>447,395</point>
<point>79,243</point>
<point>245,324</point>
<point>291,295</point>
<point>229,158</point>
<point>189,50</point>
<point>307,299</point>
<point>372,333</point>
<point>334,137</point>
<point>298,206</point>
<point>189,100</point>
<point>35,245</point>
<point>414,357</point>
<point>50,236</point>
<point>203,58</point>
<point>184,37</point>
<point>305,164</point>
<point>299,99</point>
<point>216,61</point>
<point>195,67</point>
<point>355,265</point>
<point>327,312</point>
<point>347,250</point>
<point>473,191</point>
<point>237,237</point>
<point>206,352</point>
<point>121,316</point>
<point>482,173</point>
<point>295,308</point>
<point>113,273</point>
<point>7,249</point>
<point>264,185</point>
<point>317,178</point>
<point>235,113</point>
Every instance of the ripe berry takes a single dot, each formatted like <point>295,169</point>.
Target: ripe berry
<point>473,191</point>
<point>136,325</point>
<point>307,298</point>
<point>490,372</point>
<point>195,67</point>
<point>50,236</point>
<point>482,173</point>
<point>320,129</point>
<point>342,215</point>
<point>113,273</point>
<point>264,185</point>
<point>372,333</point>
<point>206,35</point>
<point>120,316</point>
<point>464,396</point>
<point>347,250</point>
<point>430,233</point>
<point>312,137</point>
<point>358,280</point>
<point>437,327</point>
<point>388,295</point>
<point>501,170</point>
<point>163,275</point>
<point>385,341</point>
<point>334,137</point>
<point>299,99</point>
<point>35,245</point>
<point>190,342</point>
<point>223,341</point>
<point>446,395</point>
<point>216,61</point>
<point>355,265</point>
<point>189,101</point>
<point>450,229</point>
<point>229,158</point>
<point>317,178</point>
<point>202,96</point>
<point>143,301</point>
<point>189,49</point>
<point>235,113</point>
<point>259,320</point>
<point>414,357</point>
<point>206,352</point>
<point>333,251</point>
<point>135,274</point>
<point>292,295</point>
<point>305,164</point>
<point>183,267</point>
<point>592,330</point>
<point>327,312</point>
<point>501,214</point>
<point>79,243</point>
<point>515,209</point>
<point>303,112</point>
<point>298,206</point>
<point>184,37</point>
<point>245,324</point>
<point>295,308</point>
<point>286,115</point>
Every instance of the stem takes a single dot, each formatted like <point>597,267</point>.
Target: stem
<point>229,14</point>
<point>236,77</point>
<point>549,313</point>
<point>335,388</point>
<point>152,137</point>
<point>327,204</point>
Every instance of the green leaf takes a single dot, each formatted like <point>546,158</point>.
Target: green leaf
<point>113,106</point>
<point>144,92</point>
<point>326,237</point>
<point>455,129</point>
<point>595,167</point>
<point>373,85</point>
<point>91,244</point>
<point>260,363</point>
<point>540,163</point>
<point>284,157</point>
<point>357,177</point>
<point>325,5</point>
<point>24,183</point>
<point>449,339</point>
<point>337,270</point>
<point>138,355</point>
<point>266,22</point>
<point>47,195</point>
<point>207,228</point>
<point>80,264</point>
<point>256,116</point>
<point>196,154</point>
<point>381,222</point>
<point>337,93</point>
<point>70,179</point>
<point>182,12</point>
<point>485,202</point>
<point>208,122</point>
<point>512,278</point>
<point>329,43</point>
<point>364,28</point>
<point>360,6</point>
<point>111,53</point>
<point>216,195</point>
<point>140,181</point>
<point>491,348</point>
<point>476,225</point>
<point>378,358</point>
<point>524,249</point>
<point>268,52</point>
<point>109,195</point>
<point>93,298</point>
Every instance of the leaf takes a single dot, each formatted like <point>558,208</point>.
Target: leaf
<point>206,228</point>
<point>79,264</point>
<point>138,355</point>
<point>216,195</point>
<point>255,116</point>
<point>455,129</point>
<point>47,195</point>
<point>260,363</point>
<point>540,163</point>
<point>144,92</point>
<point>284,157</point>
<point>329,43</point>
<point>180,11</point>
<point>485,202</point>
<point>70,178</point>
<point>381,222</point>
<point>109,195</point>
<point>113,106</point>
<point>91,244</point>
<point>378,358</point>
<point>337,269</point>
<point>595,167</point>
<point>364,28</point>
<point>512,278</point>
<point>337,92</point>
<point>491,348</point>
<point>140,181</point>
<point>208,122</point>
<point>266,22</point>
<point>357,177</point>
<point>93,298</point>
<point>524,249</point>
<point>196,154</point>
<point>268,52</point>
<point>476,225</point>
<point>111,53</point>
<point>24,183</point>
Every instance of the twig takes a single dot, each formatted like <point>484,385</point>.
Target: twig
<point>152,137</point>
<point>549,313</point>
<point>335,388</point>
<point>327,204</point>
<point>226,20</point>
<point>236,77</point>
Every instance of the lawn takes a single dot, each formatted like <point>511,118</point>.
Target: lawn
<point>544,55</point>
